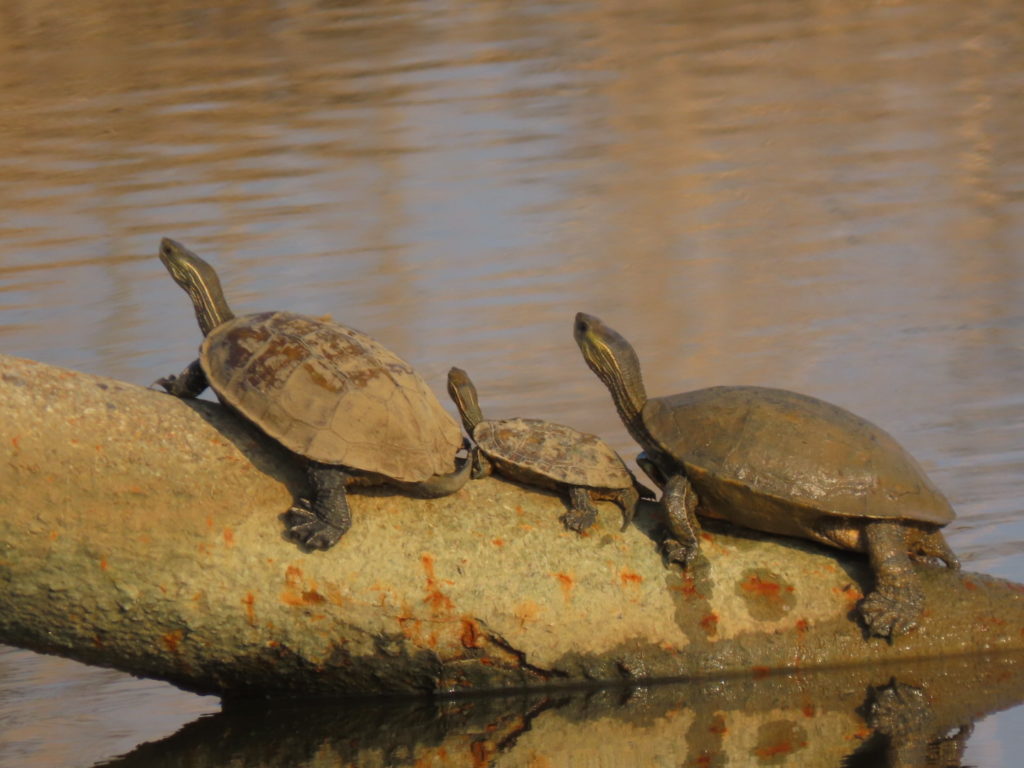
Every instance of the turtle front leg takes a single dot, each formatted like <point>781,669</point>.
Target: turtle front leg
<point>896,603</point>
<point>583,512</point>
<point>680,502</point>
<point>319,523</point>
<point>189,383</point>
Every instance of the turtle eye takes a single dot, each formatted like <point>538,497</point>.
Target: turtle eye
<point>582,326</point>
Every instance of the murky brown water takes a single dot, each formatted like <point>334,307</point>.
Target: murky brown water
<point>823,196</point>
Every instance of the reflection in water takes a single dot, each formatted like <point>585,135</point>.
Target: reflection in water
<point>909,727</point>
<point>920,717</point>
<point>819,196</point>
<point>56,712</point>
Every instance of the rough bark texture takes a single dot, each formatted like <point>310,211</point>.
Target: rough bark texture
<point>142,532</point>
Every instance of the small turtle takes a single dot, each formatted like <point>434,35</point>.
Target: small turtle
<point>548,455</point>
<point>784,463</point>
<point>356,413</point>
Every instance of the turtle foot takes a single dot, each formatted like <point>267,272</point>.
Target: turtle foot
<point>173,385</point>
<point>899,709</point>
<point>891,611</point>
<point>579,520</point>
<point>166,382</point>
<point>189,383</point>
<point>905,715</point>
<point>677,552</point>
<point>303,526</point>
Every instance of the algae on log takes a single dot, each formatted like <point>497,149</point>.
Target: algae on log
<point>142,532</point>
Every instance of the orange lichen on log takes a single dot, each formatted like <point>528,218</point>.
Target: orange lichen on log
<point>436,599</point>
<point>295,593</point>
<point>527,611</point>
<point>781,748</point>
<point>755,585</point>
<point>710,623</point>
<point>565,581</point>
<point>470,637</point>
<point>171,640</point>
<point>629,577</point>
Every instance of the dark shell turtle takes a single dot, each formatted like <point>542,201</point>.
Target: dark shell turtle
<point>357,413</point>
<point>785,463</point>
<point>548,455</point>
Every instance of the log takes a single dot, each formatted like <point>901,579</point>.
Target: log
<point>145,533</point>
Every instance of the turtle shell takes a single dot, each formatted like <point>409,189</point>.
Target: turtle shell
<point>783,459</point>
<point>331,394</point>
<point>556,452</point>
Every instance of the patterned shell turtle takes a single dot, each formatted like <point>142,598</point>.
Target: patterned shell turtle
<point>548,455</point>
<point>784,463</point>
<point>356,413</point>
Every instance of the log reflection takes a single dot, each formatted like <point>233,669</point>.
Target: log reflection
<point>911,715</point>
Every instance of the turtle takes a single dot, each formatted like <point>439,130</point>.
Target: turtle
<point>784,463</point>
<point>350,409</point>
<point>548,455</point>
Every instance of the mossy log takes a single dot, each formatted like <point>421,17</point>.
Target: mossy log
<point>143,532</point>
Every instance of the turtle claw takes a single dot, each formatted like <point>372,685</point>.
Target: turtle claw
<point>579,520</point>
<point>891,612</point>
<point>309,530</point>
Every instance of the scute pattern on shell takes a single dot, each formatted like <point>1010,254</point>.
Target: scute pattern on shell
<point>796,448</point>
<point>331,394</point>
<point>555,451</point>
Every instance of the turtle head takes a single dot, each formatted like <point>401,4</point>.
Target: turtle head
<point>614,361</point>
<point>463,394</point>
<point>200,282</point>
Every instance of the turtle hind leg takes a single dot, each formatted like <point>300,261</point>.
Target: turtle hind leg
<point>932,546</point>
<point>583,512</point>
<point>189,383</point>
<point>627,499</point>
<point>319,523</point>
<point>896,603</point>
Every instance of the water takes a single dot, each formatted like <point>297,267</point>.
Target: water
<point>827,197</point>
